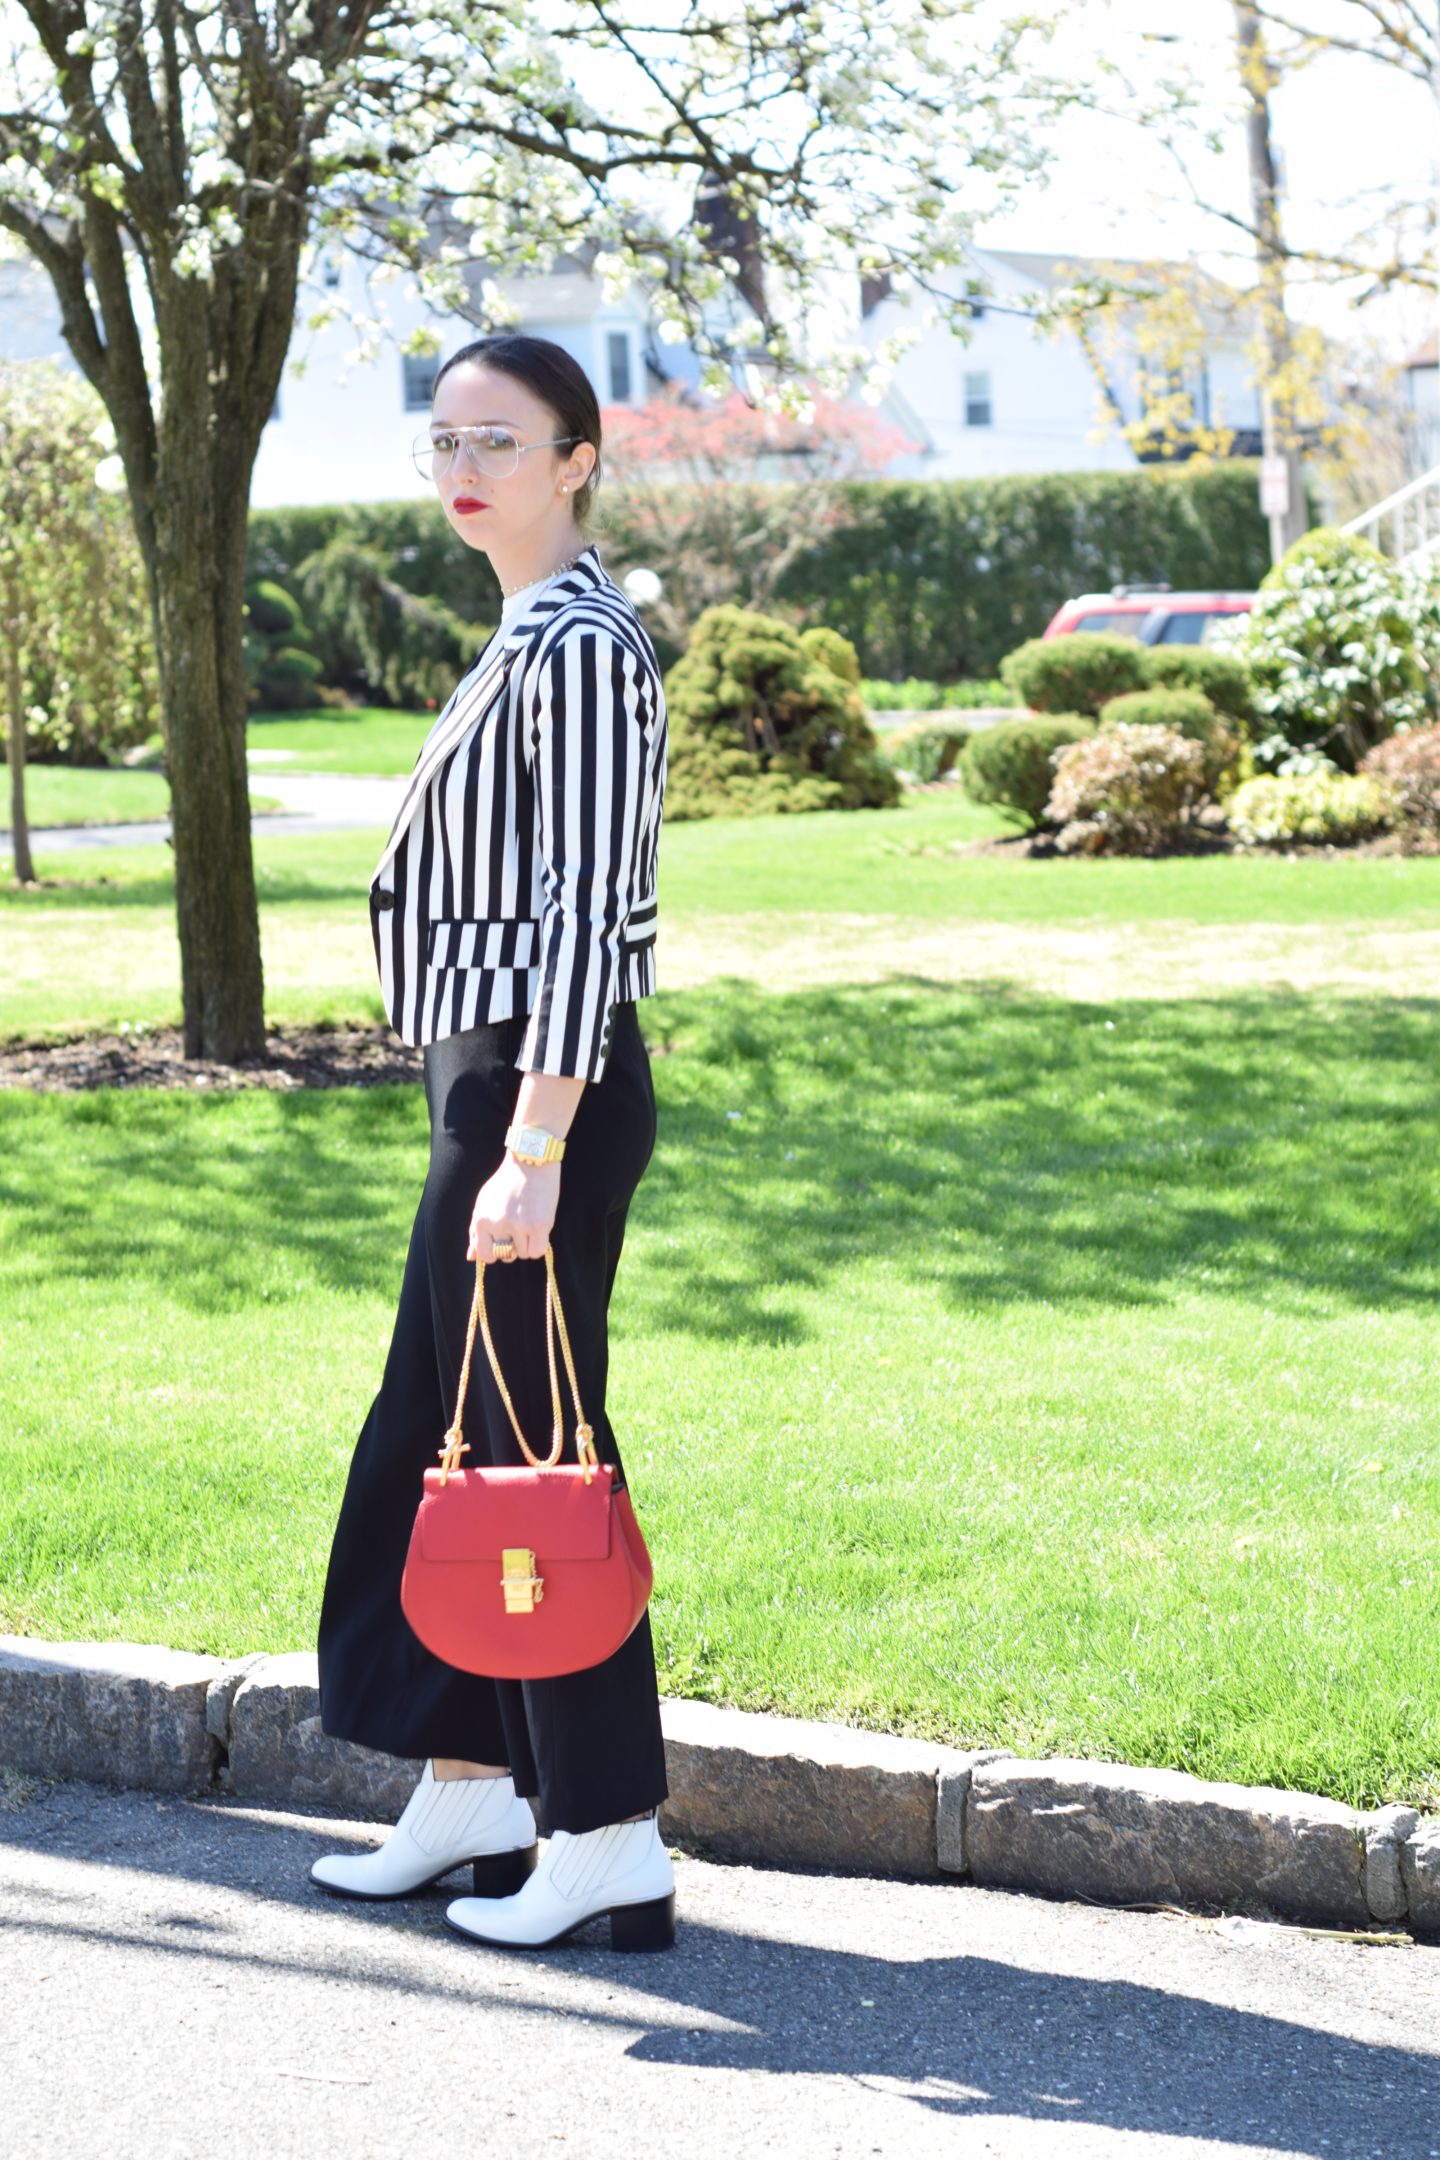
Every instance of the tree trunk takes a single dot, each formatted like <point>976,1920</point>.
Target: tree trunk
<point>19,821</point>
<point>200,587</point>
<point>1289,524</point>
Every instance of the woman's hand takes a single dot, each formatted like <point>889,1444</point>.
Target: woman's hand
<point>518,1200</point>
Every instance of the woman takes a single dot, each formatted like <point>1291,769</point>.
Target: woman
<point>513,913</point>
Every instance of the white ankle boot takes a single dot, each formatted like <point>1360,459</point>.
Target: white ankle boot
<point>447,1821</point>
<point>621,1869</point>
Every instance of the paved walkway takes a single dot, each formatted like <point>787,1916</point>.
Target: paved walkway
<point>314,802</point>
<point>170,1984</point>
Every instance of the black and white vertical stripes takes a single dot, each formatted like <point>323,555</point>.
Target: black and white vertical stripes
<point>520,875</point>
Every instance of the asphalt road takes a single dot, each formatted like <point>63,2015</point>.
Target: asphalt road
<point>314,802</point>
<point>171,1986</point>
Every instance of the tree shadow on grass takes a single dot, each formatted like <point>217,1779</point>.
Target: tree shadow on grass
<point>1006,1146</point>
<point>997,1146</point>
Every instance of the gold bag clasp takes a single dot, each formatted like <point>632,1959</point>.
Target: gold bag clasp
<point>523,1588</point>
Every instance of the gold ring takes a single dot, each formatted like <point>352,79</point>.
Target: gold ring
<point>502,1248</point>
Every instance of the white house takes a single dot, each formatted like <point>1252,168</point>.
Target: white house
<point>1016,399</point>
<point>1422,400</point>
<point>342,429</point>
<point>1012,399</point>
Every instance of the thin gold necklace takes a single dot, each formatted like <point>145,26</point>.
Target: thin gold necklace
<point>507,590</point>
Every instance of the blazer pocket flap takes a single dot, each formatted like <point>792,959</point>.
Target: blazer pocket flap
<point>508,941</point>
<point>640,922</point>
<point>552,1511</point>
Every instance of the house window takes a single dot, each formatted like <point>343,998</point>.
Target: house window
<point>977,400</point>
<point>618,346</point>
<point>419,381</point>
<point>330,270</point>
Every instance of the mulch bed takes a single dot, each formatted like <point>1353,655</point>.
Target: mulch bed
<point>1041,847</point>
<point>295,1057</point>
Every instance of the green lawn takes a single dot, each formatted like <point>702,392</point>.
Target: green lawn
<point>82,795</point>
<point>367,740</point>
<point>96,945</point>
<point>1040,1371</point>
<point>1081,1397</point>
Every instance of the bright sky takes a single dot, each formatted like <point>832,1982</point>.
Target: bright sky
<point>1339,127</point>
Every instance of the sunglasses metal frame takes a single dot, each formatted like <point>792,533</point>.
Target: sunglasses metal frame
<point>425,450</point>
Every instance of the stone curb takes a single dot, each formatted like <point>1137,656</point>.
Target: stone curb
<point>777,1790</point>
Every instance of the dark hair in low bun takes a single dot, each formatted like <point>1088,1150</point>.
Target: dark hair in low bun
<point>556,378</point>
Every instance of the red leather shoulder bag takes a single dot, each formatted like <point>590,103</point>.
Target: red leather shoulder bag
<point>528,1571</point>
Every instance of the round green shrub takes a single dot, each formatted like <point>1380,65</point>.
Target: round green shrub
<point>1011,765</point>
<point>281,673</point>
<point>1128,790</point>
<point>1189,713</point>
<point>1317,807</point>
<point>760,722</point>
<point>1222,677</point>
<point>1075,673</point>
<point>1340,645</point>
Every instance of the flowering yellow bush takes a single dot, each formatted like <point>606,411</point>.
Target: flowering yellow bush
<point>1316,807</point>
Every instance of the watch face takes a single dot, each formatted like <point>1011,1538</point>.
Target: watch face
<point>533,1140</point>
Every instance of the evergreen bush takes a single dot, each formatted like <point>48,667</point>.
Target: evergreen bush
<point>1077,673</point>
<point>377,640</point>
<point>759,721</point>
<point>1011,765</point>
<point>833,651</point>
<point>282,673</point>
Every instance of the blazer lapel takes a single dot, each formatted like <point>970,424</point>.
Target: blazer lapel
<point>474,696</point>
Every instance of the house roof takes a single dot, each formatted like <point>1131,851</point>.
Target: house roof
<point>1426,353</point>
<point>1222,300</point>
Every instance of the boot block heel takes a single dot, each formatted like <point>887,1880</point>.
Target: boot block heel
<point>650,1926</point>
<point>501,1874</point>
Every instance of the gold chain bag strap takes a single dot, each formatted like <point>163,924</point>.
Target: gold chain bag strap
<point>524,1571</point>
<point>457,1445</point>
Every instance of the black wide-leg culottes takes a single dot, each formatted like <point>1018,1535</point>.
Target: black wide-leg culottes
<point>585,1748</point>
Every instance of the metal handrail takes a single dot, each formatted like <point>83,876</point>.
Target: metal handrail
<point>1424,493</point>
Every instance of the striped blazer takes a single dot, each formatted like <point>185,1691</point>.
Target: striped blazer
<point>520,872</point>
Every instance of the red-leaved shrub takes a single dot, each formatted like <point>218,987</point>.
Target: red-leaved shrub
<point>1127,790</point>
<point>1408,765</point>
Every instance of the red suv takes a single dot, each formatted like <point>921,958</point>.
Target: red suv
<point>1151,613</point>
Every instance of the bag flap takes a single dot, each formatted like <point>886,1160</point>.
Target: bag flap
<point>476,1513</point>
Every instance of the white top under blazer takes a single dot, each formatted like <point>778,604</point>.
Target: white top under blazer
<point>520,871</point>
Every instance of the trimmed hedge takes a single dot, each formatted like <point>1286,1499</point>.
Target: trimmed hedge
<point>1011,765</point>
<point>1188,713</point>
<point>935,578</point>
<point>1076,673</point>
<point>1222,676</point>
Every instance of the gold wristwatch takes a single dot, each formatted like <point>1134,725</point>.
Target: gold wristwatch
<point>531,1143</point>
